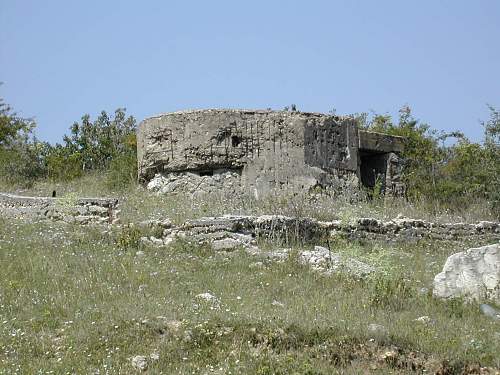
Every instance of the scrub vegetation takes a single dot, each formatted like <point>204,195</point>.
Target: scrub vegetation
<point>79,300</point>
<point>95,300</point>
<point>441,176</point>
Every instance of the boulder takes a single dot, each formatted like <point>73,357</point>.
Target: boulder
<point>489,311</point>
<point>473,274</point>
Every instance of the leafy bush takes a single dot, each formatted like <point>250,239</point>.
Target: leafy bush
<point>450,177</point>
<point>122,171</point>
<point>62,166</point>
<point>21,165</point>
<point>128,237</point>
<point>98,143</point>
<point>22,156</point>
<point>492,150</point>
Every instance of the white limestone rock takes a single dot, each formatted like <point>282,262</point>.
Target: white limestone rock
<point>322,260</point>
<point>231,241</point>
<point>473,274</point>
<point>226,244</point>
<point>140,362</point>
<point>318,259</point>
<point>157,183</point>
<point>209,299</point>
<point>278,255</point>
<point>489,311</point>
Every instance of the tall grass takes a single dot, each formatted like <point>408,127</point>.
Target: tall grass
<point>76,300</point>
<point>137,203</point>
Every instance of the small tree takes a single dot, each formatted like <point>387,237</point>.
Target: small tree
<point>451,176</point>
<point>13,128</point>
<point>98,142</point>
<point>22,156</point>
<point>492,151</point>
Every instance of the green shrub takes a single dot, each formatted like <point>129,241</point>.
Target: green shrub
<point>128,237</point>
<point>99,142</point>
<point>22,165</point>
<point>63,167</point>
<point>451,177</point>
<point>12,127</point>
<point>122,171</point>
<point>22,156</point>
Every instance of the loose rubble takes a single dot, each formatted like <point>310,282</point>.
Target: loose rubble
<point>322,260</point>
<point>194,183</point>
<point>68,209</point>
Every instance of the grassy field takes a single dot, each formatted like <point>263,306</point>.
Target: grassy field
<point>138,204</point>
<point>77,300</point>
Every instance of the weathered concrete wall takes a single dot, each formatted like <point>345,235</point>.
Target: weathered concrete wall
<point>267,149</point>
<point>69,210</point>
<point>379,142</point>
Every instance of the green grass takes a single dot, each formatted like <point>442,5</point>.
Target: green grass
<point>73,301</point>
<point>137,204</point>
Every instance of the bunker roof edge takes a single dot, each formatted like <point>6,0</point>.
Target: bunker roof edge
<point>245,111</point>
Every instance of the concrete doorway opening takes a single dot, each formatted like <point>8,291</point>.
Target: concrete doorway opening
<point>373,169</point>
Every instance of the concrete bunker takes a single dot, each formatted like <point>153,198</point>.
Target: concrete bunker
<point>260,151</point>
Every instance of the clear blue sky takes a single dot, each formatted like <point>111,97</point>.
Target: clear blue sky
<point>61,59</point>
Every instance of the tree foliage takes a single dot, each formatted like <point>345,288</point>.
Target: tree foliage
<point>22,156</point>
<point>106,143</point>
<point>452,176</point>
<point>449,176</point>
<point>97,143</point>
<point>94,145</point>
<point>13,127</point>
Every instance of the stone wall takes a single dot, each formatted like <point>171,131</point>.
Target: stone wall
<point>285,229</point>
<point>69,210</point>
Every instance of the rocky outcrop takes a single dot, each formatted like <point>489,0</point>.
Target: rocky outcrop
<point>473,274</point>
<point>68,209</point>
